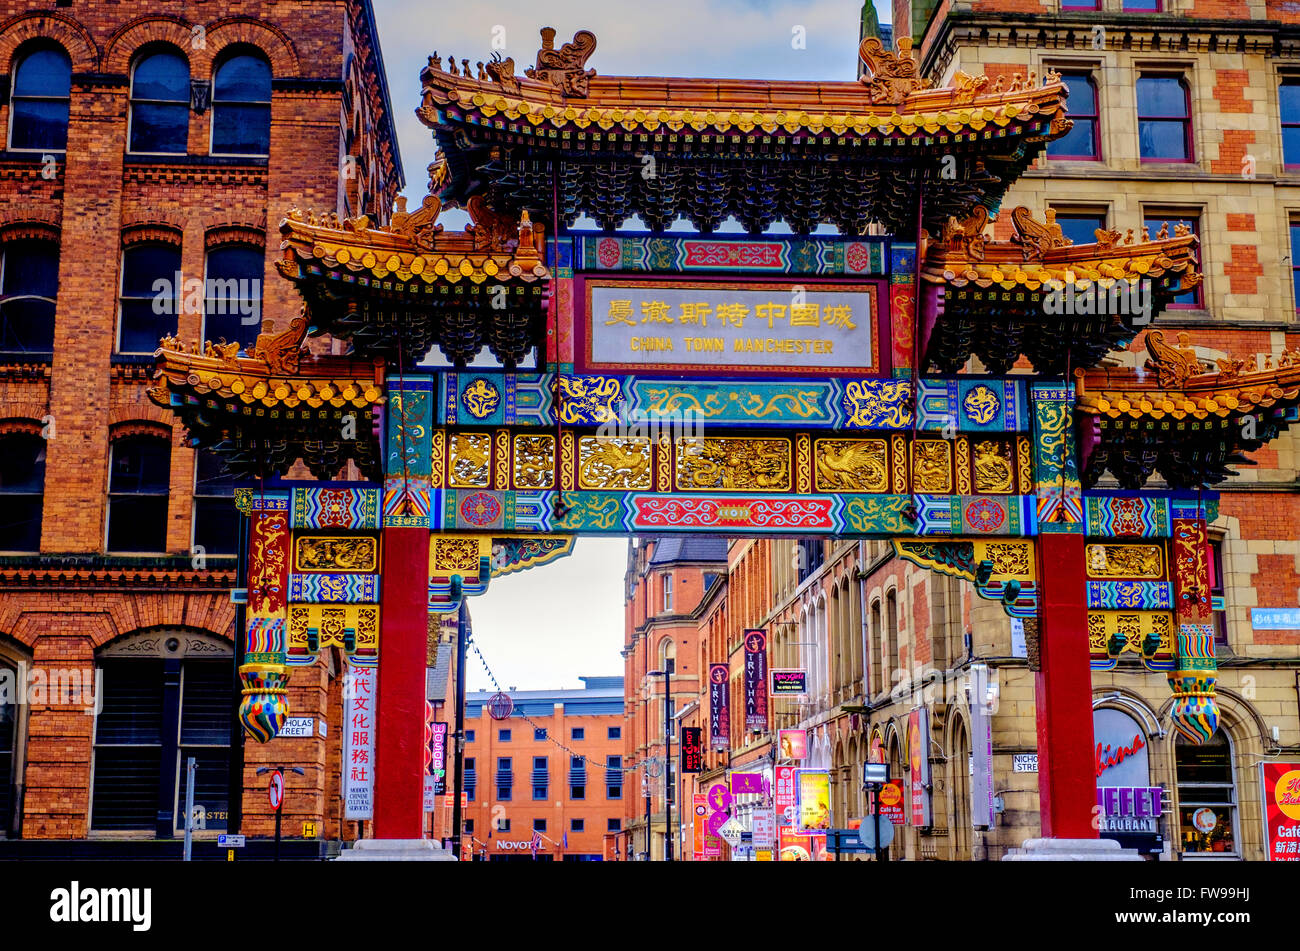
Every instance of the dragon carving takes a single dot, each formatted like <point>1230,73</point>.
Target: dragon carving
<point>967,235</point>
<point>1033,237</point>
<point>1173,365</point>
<point>565,67</point>
<point>280,351</point>
<point>894,76</point>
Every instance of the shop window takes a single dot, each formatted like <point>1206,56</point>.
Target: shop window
<point>241,106</point>
<point>138,472</point>
<point>1080,4</point>
<point>1154,220</point>
<point>216,529</point>
<point>8,747</point>
<point>1080,227</point>
<point>1288,96</point>
<point>29,287</point>
<point>1083,141</point>
<point>1164,119</point>
<point>160,105</point>
<point>150,297</point>
<point>1217,594</point>
<point>156,714</point>
<point>232,298</point>
<point>1141,6</point>
<point>40,102</point>
<point>1207,799</point>
<point>1295,264</point>
<point>22,484</point>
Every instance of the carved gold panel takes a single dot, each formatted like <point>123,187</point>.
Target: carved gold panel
<point>898,451</point>
<point>452,554</point>
<point>963,465</point>
<point>471,458</point>
<point>534,462</point>
<point>567,461</point>
<point>335,553</point>
<point>851,465</point>
<point>502,476</point>
<point>1133,627</point>
<point>726,463</point>
<point>1124,561</point>
<point>932,466</point>
<point>994,467</point>
<point>614,463</point>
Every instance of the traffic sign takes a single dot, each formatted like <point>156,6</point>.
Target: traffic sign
<point>867,836</point>
<point>275,790</point>
<point>308,829</point>
<point>225,841</point>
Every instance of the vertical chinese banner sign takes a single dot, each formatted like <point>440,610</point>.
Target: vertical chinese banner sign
<point>359,743</point>
<point>719,713</point>
<point>756,681</point>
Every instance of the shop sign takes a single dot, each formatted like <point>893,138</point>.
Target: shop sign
<point>1129,808</point>
<point>1280,783</point>
<point>719,715</point>
<point>793,744</point>
<point>692,749</point>
<point>756,681</point>
<point>791,682</point>
<point>918,749</point>
<point>700,804</point>
<point>814,801</point>
<point>764,829</point>
<point>787,793</point>
<point>745,783</point>
<point>891,801</point>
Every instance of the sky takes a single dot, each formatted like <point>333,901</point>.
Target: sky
<point>545,627</point>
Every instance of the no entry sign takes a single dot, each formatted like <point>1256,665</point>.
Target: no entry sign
<point>275,790</point>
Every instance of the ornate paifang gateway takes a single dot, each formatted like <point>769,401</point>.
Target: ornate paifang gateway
<point>517,384</point>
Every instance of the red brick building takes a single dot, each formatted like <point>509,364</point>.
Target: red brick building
<point>149,156</point>
<point>554,766</point>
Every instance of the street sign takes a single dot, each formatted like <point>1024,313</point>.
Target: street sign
<point>309,829</point>
<point>1024,763</point>
<point>731,831</point>
<point>298,727</point>
<point>847,840</point>
<point>225,841</point>
<point>867,835</point>
<point>275,790</point>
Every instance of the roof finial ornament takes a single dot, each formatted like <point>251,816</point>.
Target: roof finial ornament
<point>1034,237</point>
<point>502,71</point>
<point>893,76</point>
<point>565,67</point>
<point>1173,365</point>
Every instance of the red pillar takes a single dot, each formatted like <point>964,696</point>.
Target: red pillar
<point>403,639</point>
<point>1067,781</point>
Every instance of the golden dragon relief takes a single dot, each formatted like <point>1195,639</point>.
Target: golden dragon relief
<point>733,463</point>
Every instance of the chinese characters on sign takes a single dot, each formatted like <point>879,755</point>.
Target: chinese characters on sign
<point>359,743</point>
<point>781,327</point>
<point>1275,619</point>
<point>692,749</point>
<point>719,715</point>
<point>756,681</point>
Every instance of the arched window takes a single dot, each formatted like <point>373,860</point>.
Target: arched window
<point>22,485</point>
<point>138,472</point>
<point>232,297</point>
<point>890,660</point>
<point>29,284</point>
<point>241,106</point>
<point>39,104</point>
<point>216,529</point>
<point>150,297</point>
<point>160,104</point>
<point>1207,796</point>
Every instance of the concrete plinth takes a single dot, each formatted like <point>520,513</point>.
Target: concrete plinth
<point>1072,850</point>
<point>396,850</point>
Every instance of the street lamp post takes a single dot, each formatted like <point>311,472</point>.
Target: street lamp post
<point>667,674</point>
